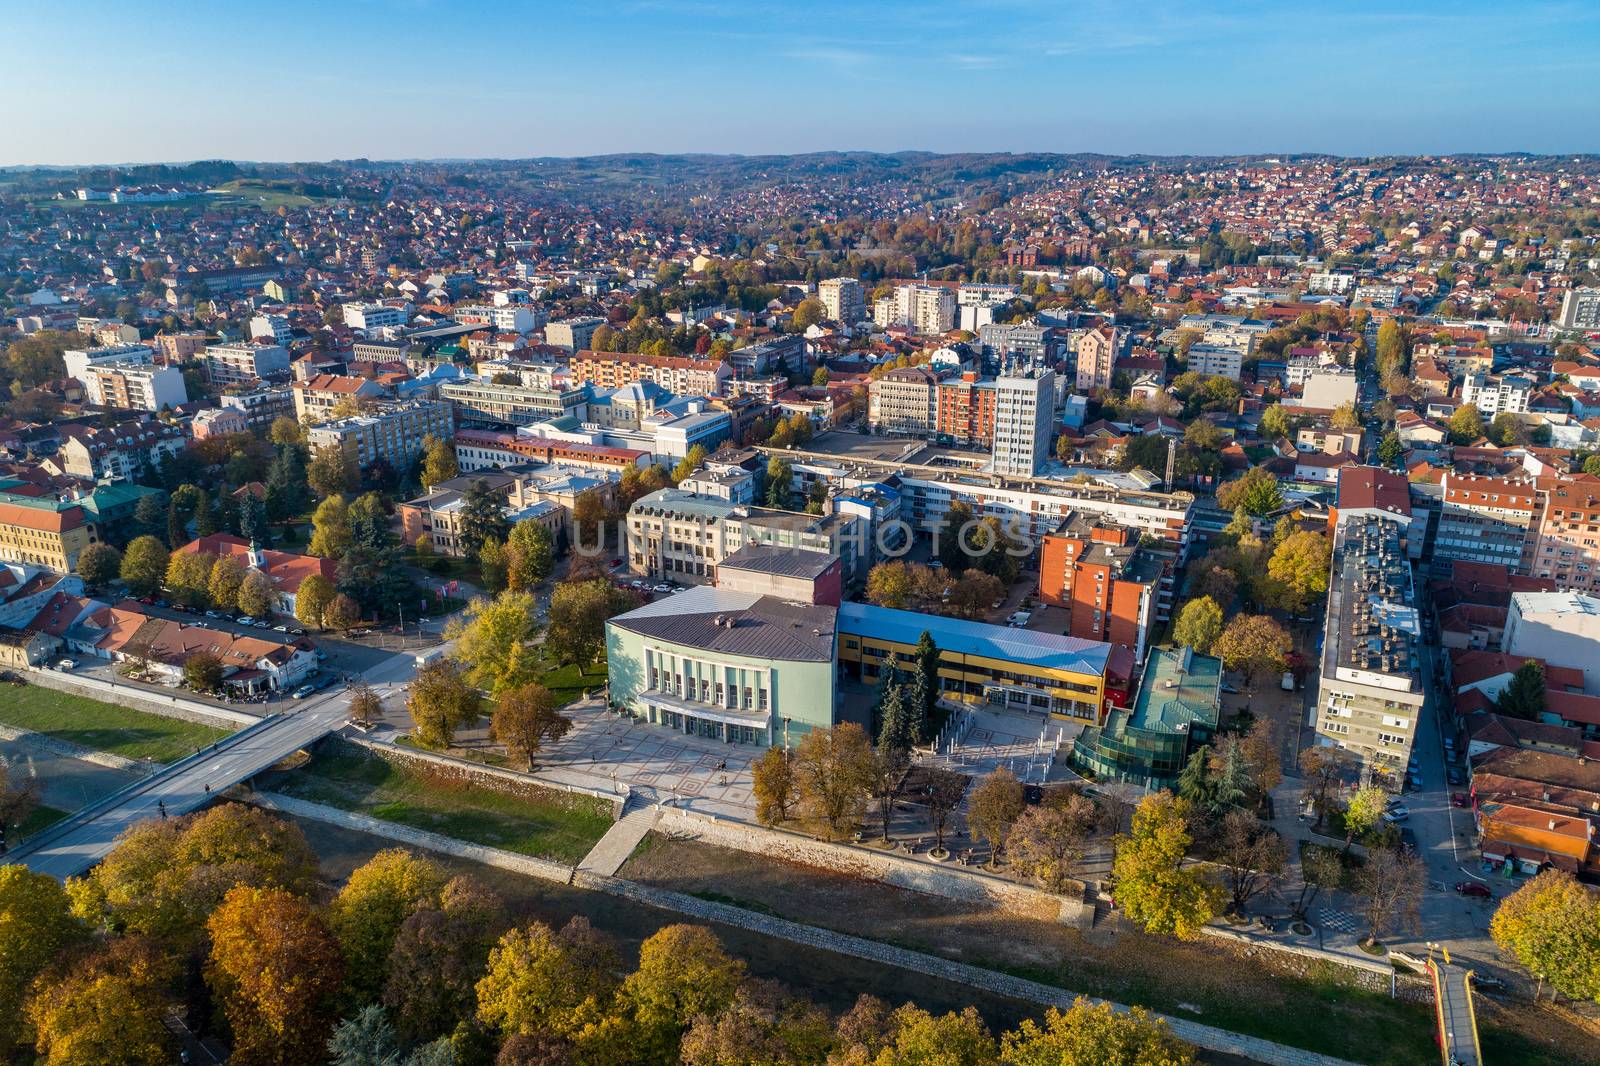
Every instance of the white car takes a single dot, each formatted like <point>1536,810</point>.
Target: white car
<point>244,620</point>
<point>65,664</point>
<point>1399,812</point>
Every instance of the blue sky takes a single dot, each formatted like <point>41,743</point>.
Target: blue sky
<point>142,80</point>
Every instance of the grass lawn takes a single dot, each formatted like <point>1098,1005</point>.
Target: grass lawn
<point>103,726</point>
<point>568,682</point>
<point>549,824</point>
<point>42,817</point>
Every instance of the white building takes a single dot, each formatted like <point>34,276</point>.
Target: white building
<point>505,318</point>
<point>1491,395</point>
<point>1562,628</point>
<point>572,334</point>
<point>79,361</point>
<point>135,386</point>
<point>1216,361</point>
<point>232,364</point>
<point>927,309</point>
<point>274,327</point>
<point>1328,390</point>
<point>371,316</point>
<point>1024,417</point>
<point>1580,309</point>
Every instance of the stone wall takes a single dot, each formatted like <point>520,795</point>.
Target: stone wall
<point>448,768</point>
<point>40,742</point>
<point>917,875</point>
<point>142,699</point>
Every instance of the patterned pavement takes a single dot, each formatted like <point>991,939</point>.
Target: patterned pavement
<point>604,745</point>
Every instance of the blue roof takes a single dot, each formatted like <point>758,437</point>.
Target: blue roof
<point>1050,651</point>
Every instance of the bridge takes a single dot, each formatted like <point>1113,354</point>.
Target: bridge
<point>74,844</point>
<point>1457,1024</point>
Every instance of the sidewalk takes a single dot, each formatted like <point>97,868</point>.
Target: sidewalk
<point>613,849</point>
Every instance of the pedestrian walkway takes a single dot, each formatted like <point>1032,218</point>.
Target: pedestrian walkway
<point>613,849</point>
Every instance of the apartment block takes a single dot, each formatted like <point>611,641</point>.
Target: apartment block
<point>925,309</point>
<point>1566,545</point>
<point>391,431</point>
<point>1097,351</point>
<point>573,334</point>
<point>1498,394</point>
<point>79,360</point>
<point>680,375</point>
<point>844,298</point>
<point>1485,519</point>
<point>1112,589</point>
<point>966,409</point>
<point>1024,422</point>
<point>1370,692</point>
<point>482,402</point>
<point>1580,309</point>
<point>235,364</point>
<point>135,386</point>
<point>370,316</point>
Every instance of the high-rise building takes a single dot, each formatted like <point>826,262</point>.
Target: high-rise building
<point>845,300</point>
<point>1024,420</point>
<point>1097,357</point>
<point>390,431</point>
<point>1370,692</point>
<point>135,386</point>
<point>927,309</point>
<point>904,401</point>
<point>1580,309</point>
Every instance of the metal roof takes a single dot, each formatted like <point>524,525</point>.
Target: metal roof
<point>1050,651</point>
<point>736,623</point>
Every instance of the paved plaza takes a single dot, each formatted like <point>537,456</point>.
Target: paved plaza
<point>651,758</point>
<point>1024,744</point>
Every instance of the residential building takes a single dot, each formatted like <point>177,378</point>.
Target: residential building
<point>924,309</point>
<point>1327,390</point>
<point>1567,533</point>
<point>1502,394</point>
<point>391,431</point>
<point>484,402</point>
<point>1097,352</point>
<point>1177,711</point>
<point>218,422</point>
<point>679,375</point>
<point>1370,692</point>
<point>573,334</point>
<point>134,386</point>
<point>1214,360</point>
<point>179,347</point>
<point>1562,628</point>
<point>1044,674</point>
<point>39,533</point>
<point>845,300</point>
<point>1024,422</point>
<point>317,398</point>
<point>478,449</point>
<point>684,537</point>
<point>504,318</point>
<point>246,361</point>
<point>1485,519</point>
<point>904,401</point>
<point>1374,492</point>
<point>79,360</point>
<point>260,404</point>
<point>373,316</point>
<point>966,409</point>
<point>1017,344</point>
<point>250,664</point>
<point>271,327</point>
<point>1113,590</point>
<point>118,453</point>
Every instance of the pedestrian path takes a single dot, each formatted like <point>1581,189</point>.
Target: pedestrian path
<point>613,849</point>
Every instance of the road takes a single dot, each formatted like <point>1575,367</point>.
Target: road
<point>79,843</point>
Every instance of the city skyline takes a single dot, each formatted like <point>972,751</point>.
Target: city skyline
<point>415,80</point>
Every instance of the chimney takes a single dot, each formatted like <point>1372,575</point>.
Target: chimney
<point>1552,824</point>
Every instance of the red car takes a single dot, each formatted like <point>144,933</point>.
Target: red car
<point>1459,799</point>
<point>1475,889</point>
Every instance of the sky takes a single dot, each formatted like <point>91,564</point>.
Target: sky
<point>157,80</point>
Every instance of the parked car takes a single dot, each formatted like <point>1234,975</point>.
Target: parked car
<point>1459,799</point>
<point>244,620</point>
<point>280,629</point>
<point>1230,689</point>
<point>262,624</point>
<point>302,692</point>
<point>65,664</point>
<point>616,562</point>
<point>662,590</point>
<point>1475,889</point>
<point>213,614</point>
<point>1455,775</point>
<point>297,632</point>
<point>326,682</point>
<point>1482,982</point>
<point>1397,813</point>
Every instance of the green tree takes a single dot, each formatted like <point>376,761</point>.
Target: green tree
<point>493,643</point>
<point>577,619</point>
<point>144,565</point>
<point>330,528</point>
<point>1551,926</point>
<point>683,973</point>
<point>807,313</point>
<point>441,700</point>
<point>894,723</point>
<point>331,473</point>
<point>1524,695</point>
<point>1153,887</point>
<point>1345,416</point>
<point>780,476</point>
<point>256,595</point>
<point>483,517</point>
<point>1199,624</point>
<point>439,461</point>
<point>926,659</point>
<point>286,431</point>
<point>189,577</point>
<point>1277,423</point>
<point>1256,492</point>
<point>1465,425</point>
<point>530,555</point>
<point>1094,1033</point>
<point>819,377</point>
<point>36,926</point>
<point>99,564</point>
<point>493,566</point>
<point>1391,449</point>
<point>1363,812</point>
<point>689,464</point>
<point>367,914</point>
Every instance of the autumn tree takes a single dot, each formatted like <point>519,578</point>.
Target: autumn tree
<point>1094,1033</point>
<point>188,577</point>
<point>1199,624</point>
<point>227,574</point>
<point>202,672</point>
<point>889,585</point>
<point>366,915</point>
<point>941,794</point>
<point>36,927</point>
<point>833,773</point>
<point>99,564</point>
<point>164,878</point>
<point>364,705</point>
<point>1363,812</point>
<point>772,781</point>
<point>330,472</point>
<point>441,700</point>
<point>1551,926</point>
<point>910,1035</point>
<point>1254,645</point>
<point>578,615</point>
<point>438,956</point>
<point>683,973</point>
<point>1324,768</point>
<point>311,600</point>
<point>807,313</point>
<point>1251,854</point>
<point>1345,417</point>
<point>994,807</point>
<point>275,972</point>
<point>494,642</point>
<point>144,565</point>
<point>1299,566</point>
<point>530,555</point>
<point>1256,491</point>
<point>1465,425</point>
<point>256,594</point>
<point>689,465</point>
<point>542,981</point>
<point>525,717</point>
<point>763,1024</point>
<point>341,613</point>
<point>438,462</point>
<point>1153,887</point>
<point>1049,840</point>
<point>104,1005</point>
<point>1391,883</point>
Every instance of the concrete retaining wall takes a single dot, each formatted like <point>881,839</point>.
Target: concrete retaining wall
<point>917,875</point>
<point>496,778</point>
<point>142,699</point>
<point>41,742</point>
<point>417,838</point>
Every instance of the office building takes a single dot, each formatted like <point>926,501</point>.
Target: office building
<point>684,537</point>
<point>389,431</point>
<point>845,300</point>
<point>1177,710</point>
<point>1113,589</point>
<point>966,409</point>
<point>1370,692</point>
<point>1024,422</point>
<point>373,316</point>
<point>484,402</point>
<point>904,401</point>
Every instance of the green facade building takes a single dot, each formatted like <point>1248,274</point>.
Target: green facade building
<point>1176,711</point>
